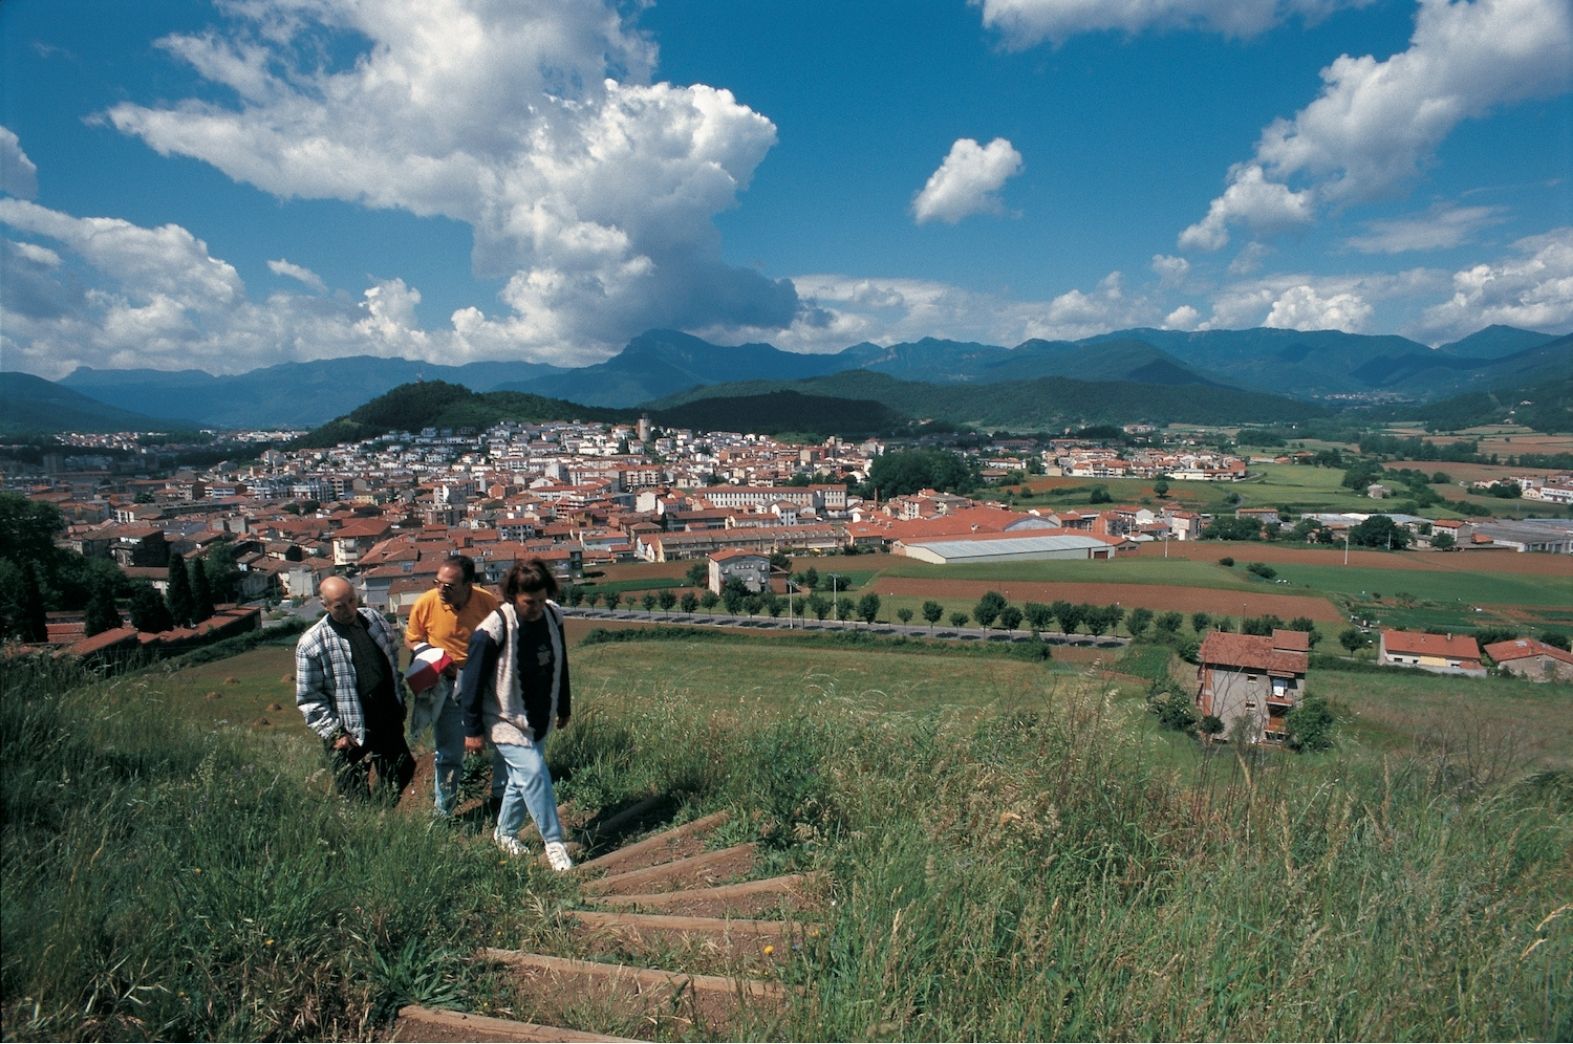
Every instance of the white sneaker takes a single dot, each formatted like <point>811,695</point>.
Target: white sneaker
<point>511,845</point>
<point>557,855</point>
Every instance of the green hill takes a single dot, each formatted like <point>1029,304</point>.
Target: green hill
<point>1044,403</point>
<point>438,404</point>
<point>31,405</point>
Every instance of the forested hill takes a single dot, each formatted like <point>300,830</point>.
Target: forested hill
<point>1029,405</point>
<point>438,404</point>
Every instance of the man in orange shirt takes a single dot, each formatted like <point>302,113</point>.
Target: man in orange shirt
<point>445,617</point>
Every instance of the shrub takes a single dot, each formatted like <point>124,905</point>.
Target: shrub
<point>1226,560</point>
<point>1173,708</point>
<point>1310,725</point>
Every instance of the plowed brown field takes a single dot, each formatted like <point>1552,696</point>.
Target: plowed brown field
<point>1157,597</point>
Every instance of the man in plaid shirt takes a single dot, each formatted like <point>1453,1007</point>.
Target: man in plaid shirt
<point>348,687</point>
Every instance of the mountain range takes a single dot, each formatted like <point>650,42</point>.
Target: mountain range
<point>667,367</point>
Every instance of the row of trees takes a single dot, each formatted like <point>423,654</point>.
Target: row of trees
<point>37,578</point>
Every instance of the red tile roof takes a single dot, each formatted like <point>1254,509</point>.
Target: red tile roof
<point>1226,649</point>
<point>1418,643</point>
<point>1524,648</point>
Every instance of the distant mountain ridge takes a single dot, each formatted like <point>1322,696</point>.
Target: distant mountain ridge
<point>31,404</point>
<point>660,364</point>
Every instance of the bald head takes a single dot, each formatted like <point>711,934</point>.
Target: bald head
<point>338,598</point>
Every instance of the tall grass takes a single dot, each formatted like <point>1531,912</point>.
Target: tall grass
<point>1056,869</point>
<point>163,882</point>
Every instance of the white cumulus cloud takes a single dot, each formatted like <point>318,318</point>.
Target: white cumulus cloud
<point>299,273</point>
<point>1024,23</point>
<point>18,175</point>
<point>967,182</point>
<point>1377,123</point>
<point>1532,290</point>
<point>1302,308</point>
<point>590,190</point>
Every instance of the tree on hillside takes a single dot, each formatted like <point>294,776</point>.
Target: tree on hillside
<point>613,600</point>
<point>959,618</point>
<point>908,471</point>
<point>988,608</point>
<point>201,594</point>
<point>1010,617</point>
<point>932,612</point>
<point>868,607</point>
<point>1138,621</point>
<point>148,611</point>
<point>689,602</point>
<point>1096,618</point>
<point>1069,616</point>
<point>32,624</point>
<point>904,614</point>
<point>667,599</point>
<point>1039,617</point>
<point>648,601</point>
<point>28,530</point>
<point>181,607</point>
<point>844,608</point>
<point>1379,531</point>
<point>819,605</point>
<point>1199,621</point>
<point>102,615</point>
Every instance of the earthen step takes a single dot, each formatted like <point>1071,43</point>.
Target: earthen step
<point>790,891</point>
<point>678,843</point>
<point>695,871</point>
<point>711,1002</point>
<point>627,818</point>
<point>417,1023</point>
<point>732,937</point>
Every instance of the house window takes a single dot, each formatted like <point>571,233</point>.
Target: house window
<point>1280,687</point>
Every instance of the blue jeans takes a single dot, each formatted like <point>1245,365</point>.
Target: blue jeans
<point>529,787</point>
<point>448,739</point>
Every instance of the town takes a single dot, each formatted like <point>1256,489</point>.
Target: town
<point>386,512</point>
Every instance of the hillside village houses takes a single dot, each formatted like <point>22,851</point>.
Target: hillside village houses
<point>580,495</point>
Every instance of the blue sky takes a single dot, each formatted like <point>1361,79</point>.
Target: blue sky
<point>233,184</point>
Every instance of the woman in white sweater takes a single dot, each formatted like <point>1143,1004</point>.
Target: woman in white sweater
<point>515,691</point>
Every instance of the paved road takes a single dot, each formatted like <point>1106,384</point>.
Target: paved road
<point>963,634</point>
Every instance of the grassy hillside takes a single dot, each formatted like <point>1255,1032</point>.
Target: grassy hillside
<point>1012,854</point>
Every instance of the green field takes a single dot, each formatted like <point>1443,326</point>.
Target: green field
<point>1465,589</point>
<point>1014,851</point>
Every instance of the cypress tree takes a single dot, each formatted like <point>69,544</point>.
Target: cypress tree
<point>201,592</point>
<point>148,611</point>
<point>181,607</point>
<point>31,623</point>
<point>101,612</point>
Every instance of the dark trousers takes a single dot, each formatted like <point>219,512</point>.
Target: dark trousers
<point>389,755</point>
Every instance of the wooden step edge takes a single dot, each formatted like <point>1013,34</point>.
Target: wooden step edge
<point>611,861</point>
<point>786,885</point>
<point>644,978</point>
<point>668,871</point>
<point>631,814</point>
<point>454,1027</point>
<point>677,923</point>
